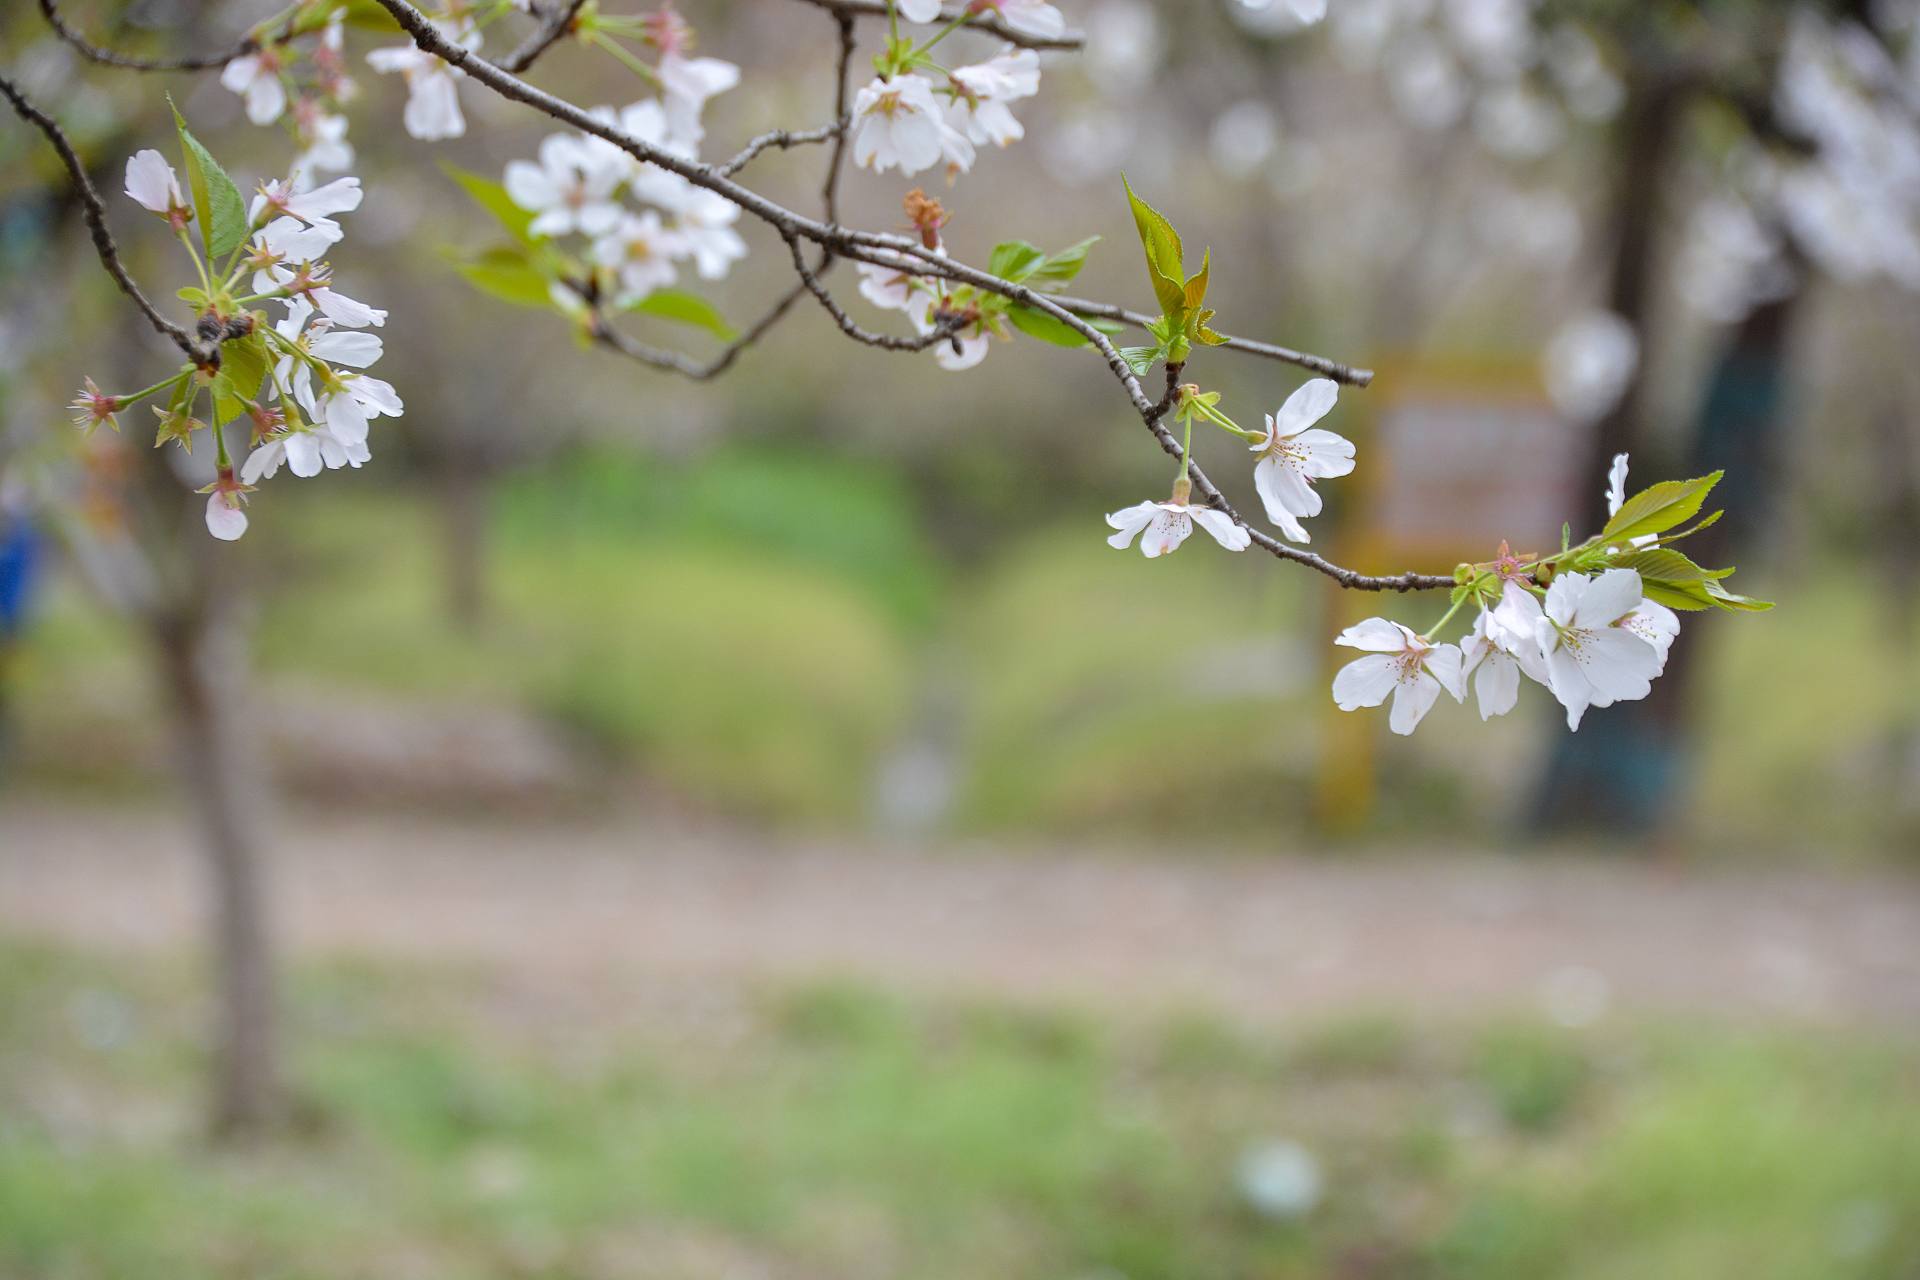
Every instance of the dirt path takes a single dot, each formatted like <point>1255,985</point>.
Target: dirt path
<point>1262,939</point>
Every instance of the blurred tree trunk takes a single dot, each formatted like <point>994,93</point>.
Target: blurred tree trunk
<point>202,658</point>
<point>1629,764</point>
<point>463,515</point>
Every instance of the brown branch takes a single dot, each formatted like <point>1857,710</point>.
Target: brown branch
<point>943,329</point>
<point>782,138</point>
<point>206,355</point>
<point>557,22</point>
<point>978,22</point>
<point>1348,374</point>
<point>886,250</point>
<point>128,62</point>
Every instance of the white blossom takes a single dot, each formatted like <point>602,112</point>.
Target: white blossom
<point>888,288</point>
<point>919,10</point>
<point>1400,664</point>
<point>570,189</point>
<point>1030,17</point>
<point>225,518</point>
<point>1591,660</point>
<point>433,102</point>
<point>1167,524</point>
<point>685,86</point>
<point>703,221</point>
<point>256,78</point>
<point>1294,453</point>
<point>898,125</point>
<point>314,207</point>
<point>1501,648</point>
<point>641,251</point>
<point>325,148</point>
<point>153,185</point>
<point>981,92</point>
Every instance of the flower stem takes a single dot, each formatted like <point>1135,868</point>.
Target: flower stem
<point>136,397</point>
<point>960,20</point>
<point>626,57</point>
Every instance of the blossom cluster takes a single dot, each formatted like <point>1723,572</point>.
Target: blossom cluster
<point>1592,638</point>
<point>301,381</point>
<point>916,113</point>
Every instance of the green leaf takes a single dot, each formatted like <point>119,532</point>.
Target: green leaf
<point>1664,564</point>
<point>505,272</point>
<point>369,16</point>
<point>1015,260</point>
<point>1140,359</point>
<point>1196,287</point>
<point>1726,599</point>
<point>1659,508</point>
<point>244,364</point>
<point>1060,268</point>
<point>1038,324</point>
<point>1164,254</point>
<point>216,201</point>
<point>684,308</point>
<point>194,296</point>
<point>493,197</point>
<point>1692,597</point>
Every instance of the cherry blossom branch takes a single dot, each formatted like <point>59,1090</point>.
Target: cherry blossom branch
<point>895,251</point>
<point>556,23</point>
<point>50,9</point>
<point>206,355</point>
<point>992,25</point>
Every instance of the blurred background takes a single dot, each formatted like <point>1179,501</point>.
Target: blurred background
<point>757,828</point>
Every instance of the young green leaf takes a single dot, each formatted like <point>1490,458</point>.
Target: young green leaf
<point>216,201</point>
<point>1015,260</point>
<point>506,272</point>
<point>1659,508</point>
<point>1038,324</point>
<point>1164,254</point>
<point>1726,599</point>
<point>684,308</point>
<point>493,197</point>
<point>1060,268</point>
<point>1196,287</point>
<point>244,363</point>
<point>1691,596</point>
<point>1664,564</point>
<point>1140,359</point>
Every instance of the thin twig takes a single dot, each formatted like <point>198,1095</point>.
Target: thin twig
<point>943,329</point>
<point>557,22</point>
<point>128,62</point>
<point>1319,364</point>
<point>782,138</point>
<point>205,355</point>
<point>992,25</point>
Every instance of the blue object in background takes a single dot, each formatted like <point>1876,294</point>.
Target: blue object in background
<point>19,563</point>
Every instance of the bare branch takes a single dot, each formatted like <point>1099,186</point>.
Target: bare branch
<point>944,328</point>
<point>557,21</point>
<point>1319,364</point>
<point>128,62</point>
<point>782,138</point>
<point>203,354</point>
<point>991,25</point>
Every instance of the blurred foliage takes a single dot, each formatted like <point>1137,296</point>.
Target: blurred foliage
<point>758,632</point>
<point>452,1129</point>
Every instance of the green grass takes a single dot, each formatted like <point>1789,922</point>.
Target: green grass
<point>451,1128</point>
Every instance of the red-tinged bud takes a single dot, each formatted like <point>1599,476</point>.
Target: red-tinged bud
<point>92,406</point>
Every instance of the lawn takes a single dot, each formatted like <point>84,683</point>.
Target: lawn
<point>458,1125</point>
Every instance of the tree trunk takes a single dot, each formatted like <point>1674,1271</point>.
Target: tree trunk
<point>1624,769</point>
<point>203,665</point>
